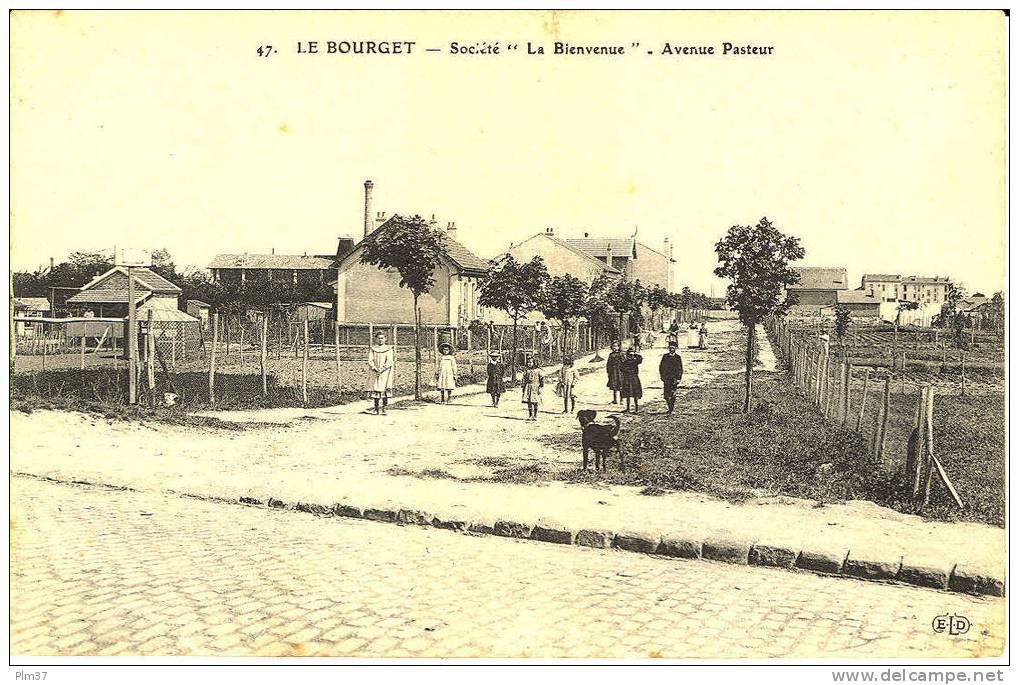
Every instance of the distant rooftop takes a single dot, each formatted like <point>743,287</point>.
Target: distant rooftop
<point>271,261</point>
<point>820,278</point>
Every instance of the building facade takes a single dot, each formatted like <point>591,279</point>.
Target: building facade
<point>560,257</point>
<point>818,286</point>
<point>924,290</point>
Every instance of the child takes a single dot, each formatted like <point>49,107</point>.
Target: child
<point>568,378</point>
<point>445,375</point>
<point>381,359</point>
<point>532,384</point>
<point>615,383</point>
<point>630,370</point>
<point>496,385</point>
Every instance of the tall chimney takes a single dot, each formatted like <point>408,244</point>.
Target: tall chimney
<point>369,223</point>
<point>451,228</point>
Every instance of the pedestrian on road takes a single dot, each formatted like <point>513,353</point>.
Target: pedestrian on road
<point>532,385</point>
<point>703,340</point>
<point>671,371</point>
<point>568,379</point>
<point>612,368</point>
<point>381,377</point>
<point>496,385</point>
<point>630,372</point>
<point>445,375</point>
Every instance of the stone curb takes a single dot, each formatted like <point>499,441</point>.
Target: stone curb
<point>739,551</point>
<point>953,578</point>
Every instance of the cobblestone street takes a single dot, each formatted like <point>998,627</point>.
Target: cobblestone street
<point>97,571</point>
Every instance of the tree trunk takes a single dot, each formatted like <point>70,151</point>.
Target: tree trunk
<point>513,352</point>
<point>749,372</point>
<point>417,350</point>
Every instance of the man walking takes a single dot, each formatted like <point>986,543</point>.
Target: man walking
<point>671,371</point>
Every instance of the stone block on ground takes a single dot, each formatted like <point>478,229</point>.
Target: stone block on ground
<point>975,581</point>
<point>728,550</point>
<point>548,531</point>
<point>675,545</point>
<point>512,529</point>
<point>600,539</point>
<point>821,561</point>
<point>310,508</point>
<point>277,504</point>
<point>872,568</point>
<point>772,555</point>
<point>348,510</point>
<point>450,522</point>
<point>251,500</point>
<point>925,573</point>
<point>482,526</point>
<point>636,541</point>
<point>384,515</point>
<point>414,517</point>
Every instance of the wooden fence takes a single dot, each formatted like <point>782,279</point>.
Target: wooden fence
<point>826,380</point>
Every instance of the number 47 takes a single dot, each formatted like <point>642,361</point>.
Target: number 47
<point>264,50</point>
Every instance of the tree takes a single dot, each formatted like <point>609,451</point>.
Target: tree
<point>996,311</point>
<point>623,298</point>
<point>415,250</point>
<point>756,260</point>
<point>516,289</point>
<point>657,298</point>
<point>563,299</point>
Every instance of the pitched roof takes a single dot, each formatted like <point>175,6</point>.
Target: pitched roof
<point>37,304</point>
<point>926,280</point>
<point>462,258</point>
<point>855,297</point>
<point>271,261</point>
<point>599,247</point>
<point>199,303</point>
<point>969,303</point>
<point>144,277</point>
<point>820,278</point>
<point>572,248</point>
<point>100,296</point>
<point>895,278</point>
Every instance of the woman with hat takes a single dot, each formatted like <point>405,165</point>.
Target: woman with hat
<point>445,375</point>
<point>496,385</point>
<point>381,360</point>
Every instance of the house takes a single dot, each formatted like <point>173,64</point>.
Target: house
<point>237,269</point>
<point>199,310</point>
<point>634,259</point>
<point>106,295</point>
<point>32,306</point>
<point>924,290</point>
<point>367,294</point>
<point>313,311</point>
<point>561,257</point>
<point>859,303</point>
<point>818,286</point>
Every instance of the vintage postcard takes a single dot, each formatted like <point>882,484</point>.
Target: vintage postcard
<point>518,335</point>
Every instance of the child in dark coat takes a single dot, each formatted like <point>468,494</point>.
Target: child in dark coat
<point>496,385</point>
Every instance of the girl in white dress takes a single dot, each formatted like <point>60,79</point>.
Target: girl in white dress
<point>381,375</point>
<point>445,375</point>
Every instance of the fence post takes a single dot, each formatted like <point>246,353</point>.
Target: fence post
<point>886,407</point>
<point>847,376</point>
<point>863,399</point>
<point>962,367</point>
<point>212,358</point>
<point>915,469</point>
<point>929,443</point>
<point>470,356</point>
<point>262,352</point>
<point>396,353</point>
<point>82,351</point>
<point>240,345</point>
<point>150,357</point>
<point>336,335</point>
<point>371,334</point>
<point>304,366</point>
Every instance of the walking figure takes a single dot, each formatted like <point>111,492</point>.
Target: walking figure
<point>630,372</point>
<point>445,375</point>
<point>496,385</point>
<point>671,371</point>
<point>532,385</point>
<point>381,379</point>
<point>703,341</point>
<point>612,368</point>
<point>568,379</point>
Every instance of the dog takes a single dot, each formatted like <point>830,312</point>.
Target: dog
<point>600,437</point>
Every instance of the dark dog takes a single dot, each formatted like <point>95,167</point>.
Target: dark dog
<point>600,437</point>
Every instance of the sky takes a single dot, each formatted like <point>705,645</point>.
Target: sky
<point>876,137</point>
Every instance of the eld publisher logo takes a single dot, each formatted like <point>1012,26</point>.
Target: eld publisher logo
<point>953,624</point>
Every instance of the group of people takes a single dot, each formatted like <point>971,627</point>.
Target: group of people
<point>623,369</point>
<point>696,335</point>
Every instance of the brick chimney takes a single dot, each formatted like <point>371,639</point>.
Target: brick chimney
<point>369,222</point>
<point>344,244</point>
<point>549,231</point>
<point>451,229</point>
